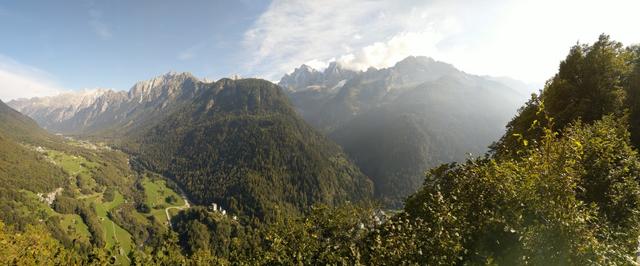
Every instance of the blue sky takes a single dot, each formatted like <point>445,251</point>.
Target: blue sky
<point>51,46</point>
<point>85,44</point>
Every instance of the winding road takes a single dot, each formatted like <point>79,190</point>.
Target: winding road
<point>185,206</point>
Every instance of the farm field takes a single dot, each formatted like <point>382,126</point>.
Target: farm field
<point>156,195</point>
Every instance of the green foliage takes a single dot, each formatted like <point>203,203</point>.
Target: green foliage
<point>21,128</point>
<point>633,95</point>
<point>65,205</point>
<point>592,81</point>
<point>34,246</point>
<point>142,229</point>
<point>171,199</point>
<point>241,141</point>
<point>326,236</point>
<point>93,223</point>
<point>109,194</point>
<point>569,200</point>
<point>201,229</point>
<point>21,168</point>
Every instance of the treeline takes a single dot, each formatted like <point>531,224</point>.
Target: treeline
<point>593,81</point>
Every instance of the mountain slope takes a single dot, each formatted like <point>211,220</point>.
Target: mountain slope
<point>339,94</point>
<point>56,112</point>
<point>240,144</point>
<point>19,127</point>
<point>400,121</point>
<point>21,168</point>
<point>108,113</point>
<point>235,143</point>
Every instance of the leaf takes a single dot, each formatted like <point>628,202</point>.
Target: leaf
<point>578,144</point>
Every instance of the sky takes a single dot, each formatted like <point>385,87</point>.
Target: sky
<point>48,47</point>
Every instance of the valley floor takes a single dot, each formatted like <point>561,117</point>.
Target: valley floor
<point>85,187</point>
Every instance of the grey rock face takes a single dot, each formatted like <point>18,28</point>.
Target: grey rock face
<point>108,111</point>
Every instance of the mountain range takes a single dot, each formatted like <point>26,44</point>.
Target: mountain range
<point>394,123</point>
<point>237,143</point>
<point>397,122</point>
<point>107,112</point>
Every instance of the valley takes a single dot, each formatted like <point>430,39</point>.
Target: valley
<point>418,163</point>
<point>85,186</point>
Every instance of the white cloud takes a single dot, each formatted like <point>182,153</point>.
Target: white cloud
<point>318,64</point>
<point>21,81</point>
<point>99,27</point>
<point>292,32</point>
<point>522,39</point>
<point>386,54</point>
<point>528,39</point>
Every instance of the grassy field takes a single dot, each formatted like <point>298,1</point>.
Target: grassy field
<point>75,227</point>
<point>114,233</point>
<point>87,190</point>
<point>74,165</point>
<point>77,167</point>
<point>156,192</point>
<point>72,224</point>
<point>80,171</point>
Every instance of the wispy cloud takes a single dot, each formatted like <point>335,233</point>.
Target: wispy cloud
<point>521,39</point>
<point>97,24</point>
<point>292,32</point>
<point>385,54</point>
<point>22,81</point>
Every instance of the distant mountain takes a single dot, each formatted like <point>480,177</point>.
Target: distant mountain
<point>422,111</point>
<point>398,122</point>
<point>239,143</point>
<point>107,112</point>
<point>307,78</point>
<point>342,94</point>
<point>525,88</point>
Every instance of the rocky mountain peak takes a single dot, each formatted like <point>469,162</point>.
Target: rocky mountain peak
<point>168,83</point>
<point>301,77</point>
<point>70,100</point>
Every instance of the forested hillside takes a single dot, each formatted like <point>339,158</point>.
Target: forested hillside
<point>240,144</point>
<point>22,168</point>
<point>68,197</point>
<point>18,126</point>
<point>397,122</point>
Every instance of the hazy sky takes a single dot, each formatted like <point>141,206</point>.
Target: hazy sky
<point>52,46</point>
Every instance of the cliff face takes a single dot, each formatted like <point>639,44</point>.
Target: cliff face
<point>103,110</point>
